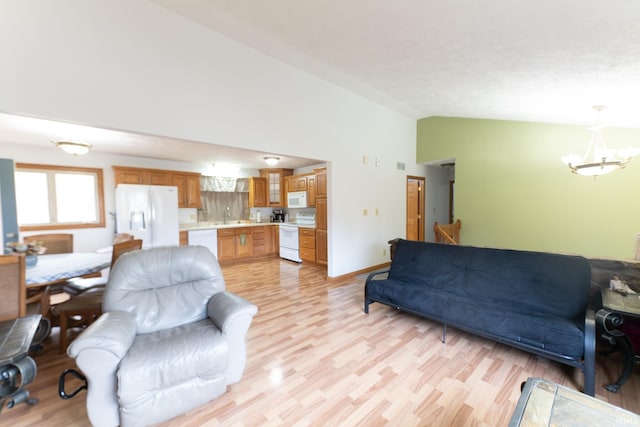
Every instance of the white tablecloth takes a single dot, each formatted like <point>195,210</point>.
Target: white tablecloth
<point>55,267</point>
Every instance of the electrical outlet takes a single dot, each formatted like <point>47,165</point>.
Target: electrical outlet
<point>384,251</point>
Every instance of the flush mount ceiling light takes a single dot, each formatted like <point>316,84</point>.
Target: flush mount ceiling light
<point>598,160</point>
<point>73,147</point>
<point>271,160</point>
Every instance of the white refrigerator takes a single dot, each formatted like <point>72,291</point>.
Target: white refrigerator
<point>149,212</point>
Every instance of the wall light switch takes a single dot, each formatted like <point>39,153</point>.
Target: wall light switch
<point>364,212</point>
<point>365,160</point>
<point>378,162</point>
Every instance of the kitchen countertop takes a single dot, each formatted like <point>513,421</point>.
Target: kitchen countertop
<point>233,224</point>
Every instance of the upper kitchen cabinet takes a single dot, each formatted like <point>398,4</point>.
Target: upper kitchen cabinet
<point>321,182</point>
<point>188,183</point>
<point>303,182</point>
<point>188,189</point>
<point>257,192</point>
<point>275,186</point>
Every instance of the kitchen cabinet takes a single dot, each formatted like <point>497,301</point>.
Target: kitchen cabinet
<point>276,186</point>
<point>311,190</point>
<point>184,238</point>
<point>322,251</point>
<point>257,192</point>
<point>304,182</point>
<point>321,247</point>
<point>235,243</point>
<point>188,189</point>
<point>188,183</point>
<point>307,240</point>
<point>321,182</point>
<point>265,240</point>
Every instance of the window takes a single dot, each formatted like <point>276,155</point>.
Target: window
<point>56,197</point>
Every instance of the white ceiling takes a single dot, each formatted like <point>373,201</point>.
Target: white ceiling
<point>42,133</point>
<point>531,60</point>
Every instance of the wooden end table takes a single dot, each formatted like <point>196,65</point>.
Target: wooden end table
<point>544,403</point>
<point>616,307</point>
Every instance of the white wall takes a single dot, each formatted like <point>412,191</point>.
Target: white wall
<point>436,199</point>
<point>133,66</point>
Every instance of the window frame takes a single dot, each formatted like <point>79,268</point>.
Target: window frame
<point>100,223</point>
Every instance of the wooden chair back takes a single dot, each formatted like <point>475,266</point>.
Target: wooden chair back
<point>123,237</point>
<point>56,243</point>
<point>124,247</point>
<point>12,287</point>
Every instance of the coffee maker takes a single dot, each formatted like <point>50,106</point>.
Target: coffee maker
<point>278,215</point>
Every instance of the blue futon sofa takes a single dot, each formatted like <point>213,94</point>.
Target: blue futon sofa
<point>534,301</point>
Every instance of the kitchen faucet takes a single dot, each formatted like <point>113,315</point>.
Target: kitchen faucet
<point>227,213</point>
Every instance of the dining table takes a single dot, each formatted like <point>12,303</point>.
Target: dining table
<point>55,268</point>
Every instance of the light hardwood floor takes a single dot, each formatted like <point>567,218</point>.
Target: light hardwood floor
<point>315,359</point>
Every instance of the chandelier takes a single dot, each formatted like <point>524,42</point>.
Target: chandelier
<point>598,159</point>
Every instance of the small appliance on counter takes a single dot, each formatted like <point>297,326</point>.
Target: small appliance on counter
<point>278,215</point>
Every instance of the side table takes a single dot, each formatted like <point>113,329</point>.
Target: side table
<point>544,403</point>
<point>615,307</point>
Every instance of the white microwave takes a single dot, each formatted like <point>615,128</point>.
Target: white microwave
<point>297,199</point>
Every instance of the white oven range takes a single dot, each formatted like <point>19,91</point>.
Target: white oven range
<point>289,241</point>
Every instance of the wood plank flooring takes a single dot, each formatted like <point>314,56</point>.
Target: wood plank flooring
<point>315,359</point>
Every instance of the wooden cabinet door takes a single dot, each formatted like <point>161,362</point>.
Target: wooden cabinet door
<point>244,242</point>
<point>159,177</point>
<point>321,183</point>
<point>226,244</point>
<point>192,191</point>
<point>259,241</point>
<point>128,176</point>
<point>269,239</point>
<point>184,238</point>
<point>321,247</point>
<point>311,190</point>
<point>181,182</point>
<point>301,183</point>
<point>257,192</point>
<point>321,214</point>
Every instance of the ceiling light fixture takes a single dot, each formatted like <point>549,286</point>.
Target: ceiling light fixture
<point>271,160</point>
<point>598,160</point>
<point>75,148</point>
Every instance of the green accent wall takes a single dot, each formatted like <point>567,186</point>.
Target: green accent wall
<point>512,190</point>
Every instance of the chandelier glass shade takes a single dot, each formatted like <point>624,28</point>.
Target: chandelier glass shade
<point>75,148</point>
<point>598,159</point>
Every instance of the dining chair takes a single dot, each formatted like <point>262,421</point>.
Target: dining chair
<point>78,285</point>
<point>14,302</point>
<point>56,243</point>
<point>84,308</point>
<point>12,287</point>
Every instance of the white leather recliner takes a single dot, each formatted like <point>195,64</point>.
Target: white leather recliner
<point>170,339</point>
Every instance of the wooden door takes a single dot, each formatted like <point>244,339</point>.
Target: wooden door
<point>415,208</point>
